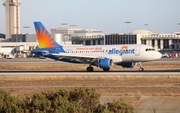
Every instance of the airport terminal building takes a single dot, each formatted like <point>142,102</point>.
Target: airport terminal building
<point>161,42</point>
<point>88,37</point>
<point>63,35</point>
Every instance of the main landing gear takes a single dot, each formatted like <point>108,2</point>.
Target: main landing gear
<point>105,69</point>
<point>90,69</point>
<point>141,68</point>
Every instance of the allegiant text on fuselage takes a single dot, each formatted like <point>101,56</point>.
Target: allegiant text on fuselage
<point>121,52</point>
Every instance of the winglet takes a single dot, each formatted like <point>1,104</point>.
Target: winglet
<point>44,37</point>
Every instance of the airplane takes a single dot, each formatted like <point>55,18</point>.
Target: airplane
<point>102,56</point>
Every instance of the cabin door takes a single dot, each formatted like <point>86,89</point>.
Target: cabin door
<point>137,50</point>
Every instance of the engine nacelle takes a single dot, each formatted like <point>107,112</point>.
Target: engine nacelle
<point>127,64</point>
<point>104,63</point>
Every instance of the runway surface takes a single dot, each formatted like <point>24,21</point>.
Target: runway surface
<point>61,72</point>
<point>127,72</point>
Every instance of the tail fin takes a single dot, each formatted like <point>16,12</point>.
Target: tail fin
<point>44,37</point>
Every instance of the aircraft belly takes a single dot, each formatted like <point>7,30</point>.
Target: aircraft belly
<point>131,58</point>
<point>116,59</point>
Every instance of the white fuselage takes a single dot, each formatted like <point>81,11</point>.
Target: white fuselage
<point>118,53</point>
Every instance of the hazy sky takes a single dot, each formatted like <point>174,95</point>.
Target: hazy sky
<point>162,16</point>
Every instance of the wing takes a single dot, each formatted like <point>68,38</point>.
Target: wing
<point>81,58</point>
<point>87,58</point>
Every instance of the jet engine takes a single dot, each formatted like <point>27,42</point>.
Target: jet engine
<point>104,63</point>
<point>127,64</point>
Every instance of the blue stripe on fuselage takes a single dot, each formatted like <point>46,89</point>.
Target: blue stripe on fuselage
<point>51,50</point>
<point>55,50</point>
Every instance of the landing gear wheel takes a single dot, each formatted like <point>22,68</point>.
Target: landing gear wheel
<point>141,69</point>
<point>106,69</point>
<point>90,69</point>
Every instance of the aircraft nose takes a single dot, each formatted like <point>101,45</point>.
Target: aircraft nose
<point>158,55</point>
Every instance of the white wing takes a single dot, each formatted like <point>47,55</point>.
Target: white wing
<point>87,58</point>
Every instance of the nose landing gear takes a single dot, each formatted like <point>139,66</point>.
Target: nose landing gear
<point>141,68</point>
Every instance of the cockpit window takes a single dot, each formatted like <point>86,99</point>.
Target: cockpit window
<point>150,49</point>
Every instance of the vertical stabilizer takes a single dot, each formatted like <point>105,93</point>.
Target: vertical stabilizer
<point>44,37</point>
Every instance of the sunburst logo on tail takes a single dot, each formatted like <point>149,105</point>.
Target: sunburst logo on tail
<point>44,38</point>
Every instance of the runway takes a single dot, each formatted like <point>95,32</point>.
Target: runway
<point>122,72</point>
<point>32,61</point>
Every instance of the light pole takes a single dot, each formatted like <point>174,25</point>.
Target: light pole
<point>127,22</point>
<point>70,37</point>
<point>26,27</point>
<point>73,27</point>
<point>16,39</point>
<point>64,24</point>
<point>64,33</point>
<point>16,33</point>
<point>146,26</point>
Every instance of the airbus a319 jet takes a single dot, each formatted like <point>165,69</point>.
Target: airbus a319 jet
<point>102,56</point>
